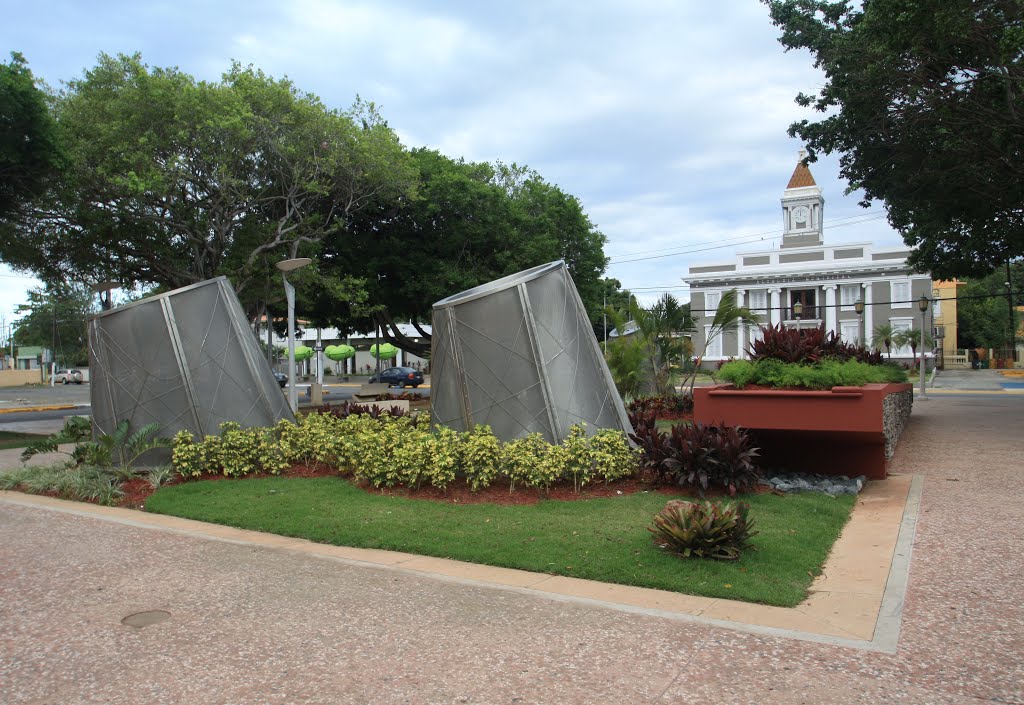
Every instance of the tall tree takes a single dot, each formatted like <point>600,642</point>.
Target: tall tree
<point>925,105</point>
<point>29,151</point>
<point>985,311</point>
<point>173,181</point>
<point>467,224</point>
<point>56,319</point>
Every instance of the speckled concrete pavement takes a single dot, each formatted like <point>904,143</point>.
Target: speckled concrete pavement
<point>263,625</point>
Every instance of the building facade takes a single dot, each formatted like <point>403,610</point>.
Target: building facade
<point>826,281</point>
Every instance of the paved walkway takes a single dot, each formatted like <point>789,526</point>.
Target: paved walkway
<point>273,623</point>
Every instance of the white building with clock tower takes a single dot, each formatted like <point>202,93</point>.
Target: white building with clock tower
<point>826,281</point>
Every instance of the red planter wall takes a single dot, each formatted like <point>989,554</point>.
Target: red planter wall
<point>837,432</point>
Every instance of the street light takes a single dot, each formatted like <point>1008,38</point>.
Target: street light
<point>798,309</point>
<point>290,265</point>
<point>102,288</point>
<point>858,306</point>
<point>922,304</point>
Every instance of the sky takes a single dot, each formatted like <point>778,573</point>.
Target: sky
<point>666,119</point>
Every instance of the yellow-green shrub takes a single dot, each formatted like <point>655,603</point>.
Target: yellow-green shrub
<point>481,457</point>
<point>525,461</point>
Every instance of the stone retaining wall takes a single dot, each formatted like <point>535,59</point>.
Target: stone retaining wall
<point>896,409</point>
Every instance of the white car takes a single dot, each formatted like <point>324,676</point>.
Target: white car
<point>69,376</point>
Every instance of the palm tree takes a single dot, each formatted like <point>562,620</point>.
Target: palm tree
<point>728,316</point>
<point>646,355</point>
<point>910,337</point>
<point>884,335</point>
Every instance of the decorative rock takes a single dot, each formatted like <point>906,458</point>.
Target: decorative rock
<point>832,485</point>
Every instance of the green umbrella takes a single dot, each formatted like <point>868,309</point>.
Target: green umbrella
<point>384,352</point>
<point>303,352</point>
<point>339,352</point>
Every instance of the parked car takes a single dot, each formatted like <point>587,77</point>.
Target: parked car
<point>400,376</point>
<point>69,376</point>
<point>282,379</point>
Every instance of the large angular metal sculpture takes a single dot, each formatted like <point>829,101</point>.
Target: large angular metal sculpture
<point>185,359</point>
<point>519,354</point>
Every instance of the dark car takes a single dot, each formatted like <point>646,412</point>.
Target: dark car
<point>400,376</point>
<point>282,379</point>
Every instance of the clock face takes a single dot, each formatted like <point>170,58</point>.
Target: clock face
<point>800,214</point>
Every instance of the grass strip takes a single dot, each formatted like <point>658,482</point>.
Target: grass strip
<point>597,539</point>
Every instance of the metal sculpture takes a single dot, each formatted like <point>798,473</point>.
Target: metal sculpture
<point>519,354</point>
<point>185,359</point>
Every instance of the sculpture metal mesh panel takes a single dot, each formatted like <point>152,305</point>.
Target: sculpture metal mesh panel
<point>185,359</point>
<point>519,355</point>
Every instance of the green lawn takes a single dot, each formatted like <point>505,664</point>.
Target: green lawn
<point>13,439</point>
<point>598,539</point>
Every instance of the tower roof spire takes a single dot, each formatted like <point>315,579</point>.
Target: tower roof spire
<point>801,175</point>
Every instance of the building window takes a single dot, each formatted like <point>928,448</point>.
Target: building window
<point>849,331</point>
<point>849,294</point>
<point>711,300</point>
<point>756,333</point>
<point>901,325</point>
<point>714,349</point>
<point>899,294</point>
<point>806,298</point>
<point>758,301</point>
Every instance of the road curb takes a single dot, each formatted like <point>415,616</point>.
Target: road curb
<point>52,407</point>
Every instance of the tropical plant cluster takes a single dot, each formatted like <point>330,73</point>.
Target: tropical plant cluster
<point>809,346</point>
<point>387,450</point>
<point>703,529</point>
<point>96,468</point>
<point>809,359</point>
<point>697,456</point>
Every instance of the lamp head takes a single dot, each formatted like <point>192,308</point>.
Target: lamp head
<point>289,265</point>
<point>858,306</point>
<point>922,303</point>
<point>798,308</point>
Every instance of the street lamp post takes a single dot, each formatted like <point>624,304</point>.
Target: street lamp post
<point>798,309</point>
<point>922,304</point>
<point>858,306</point>
<point>290,265</point>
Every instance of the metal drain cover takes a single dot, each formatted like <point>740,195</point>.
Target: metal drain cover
<point>144,619</point>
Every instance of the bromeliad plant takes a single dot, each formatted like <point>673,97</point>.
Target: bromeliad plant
<point>703,529</point>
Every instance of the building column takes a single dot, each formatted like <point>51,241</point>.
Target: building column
<point>831,312</point>
<point>741,328</point>
<point>775,306</point>
<point>869,318</point>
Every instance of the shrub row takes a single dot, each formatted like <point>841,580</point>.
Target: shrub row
<point>697,456</point>
<point>823,374</point>
<point>392,450</point>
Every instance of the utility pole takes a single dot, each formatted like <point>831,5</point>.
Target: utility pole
<point>1011,333</point>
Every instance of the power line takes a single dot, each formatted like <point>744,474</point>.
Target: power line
<point>740,240</point>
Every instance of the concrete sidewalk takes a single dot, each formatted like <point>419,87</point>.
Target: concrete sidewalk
<point>273,623</point>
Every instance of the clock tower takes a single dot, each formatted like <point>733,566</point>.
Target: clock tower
<point>802,208</point>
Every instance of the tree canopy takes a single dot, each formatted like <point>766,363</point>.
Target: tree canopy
<point>467,224</point>
<point>924,102</point>
<point>172,181</point>
<point>29,151</point>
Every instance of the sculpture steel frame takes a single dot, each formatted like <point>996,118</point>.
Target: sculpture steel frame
<point>185,359</point>
<point>519,354</point>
